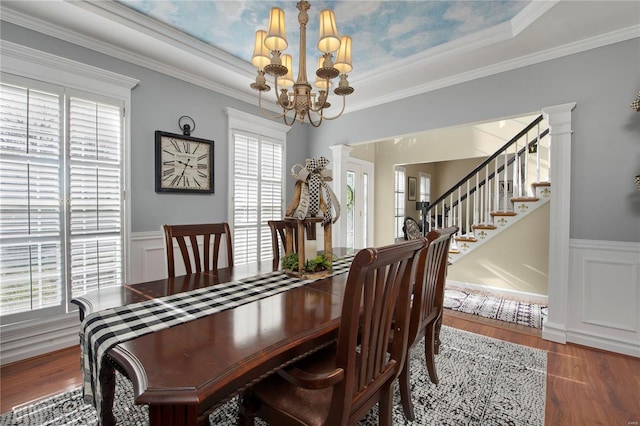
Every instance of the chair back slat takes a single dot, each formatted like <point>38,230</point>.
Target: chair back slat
<point>426,309</point>
<point>372,341</point>
<point>279,242</point>
<point>194,234</point>
<point>430,281</point>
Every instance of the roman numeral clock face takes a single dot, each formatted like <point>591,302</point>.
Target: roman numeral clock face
<point>184,164</point>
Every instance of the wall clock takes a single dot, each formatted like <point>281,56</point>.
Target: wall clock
<point>183,163</point>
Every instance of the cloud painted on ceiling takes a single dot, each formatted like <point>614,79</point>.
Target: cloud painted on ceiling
<point>383,32</point>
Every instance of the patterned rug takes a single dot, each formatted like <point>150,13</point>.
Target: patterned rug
<point>483,381</point>
<point>490,306</point>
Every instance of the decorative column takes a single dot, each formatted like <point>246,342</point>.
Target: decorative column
<point>559,119</point>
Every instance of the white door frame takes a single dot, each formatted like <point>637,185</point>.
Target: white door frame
<point>341,161</point>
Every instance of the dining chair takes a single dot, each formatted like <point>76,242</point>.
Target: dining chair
<point>279,240</point>
<point>339,384</point>
<point>411,229</point>
<point>189,237</point>
<point>426,309</point>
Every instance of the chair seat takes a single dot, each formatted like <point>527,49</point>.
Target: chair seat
<point>306,406</point>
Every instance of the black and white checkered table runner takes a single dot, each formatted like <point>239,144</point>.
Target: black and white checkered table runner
<point>100,331</point>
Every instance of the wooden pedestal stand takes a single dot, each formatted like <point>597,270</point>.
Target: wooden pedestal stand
<point>301,226</point>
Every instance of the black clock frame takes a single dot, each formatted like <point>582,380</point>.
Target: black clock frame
<point>159,134</point>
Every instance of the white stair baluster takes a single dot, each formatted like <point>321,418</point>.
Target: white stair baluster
<point>517,178</point>
<point>487,190</point>
<point>496,180</point>
<point>539,146</point>
<point>466,222</point>
<point>450,217</point>
<point>460,208</point>
<point>526,169</point>
<point>504,180</point>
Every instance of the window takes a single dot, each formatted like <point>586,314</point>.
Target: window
<point>425,187</point>
<point>61,192</point>
<point>399,201</point>
<point>257,186</point>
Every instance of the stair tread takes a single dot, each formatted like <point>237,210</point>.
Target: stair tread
<point>524,199</point>
<point>535,184</point>
<point>468,239</point>
<point>503,213</point>
<point>483,226</point>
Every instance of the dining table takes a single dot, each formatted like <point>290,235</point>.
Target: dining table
<point>246,322</point>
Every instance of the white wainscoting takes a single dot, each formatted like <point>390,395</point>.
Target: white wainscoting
<point>603,308</point>
<point>31,338</point>
<point>604,295</point>
<point>148,260</point>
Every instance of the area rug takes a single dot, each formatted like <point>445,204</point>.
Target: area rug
<point>490,306</point>
<point>483,381</point>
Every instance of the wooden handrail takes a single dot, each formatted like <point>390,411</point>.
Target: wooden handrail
<point>488,161</point>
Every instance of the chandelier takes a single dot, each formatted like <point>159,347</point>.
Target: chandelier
<point>297,97</point>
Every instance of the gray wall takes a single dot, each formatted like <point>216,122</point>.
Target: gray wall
<point>605,203</point>
<point>157,102</point>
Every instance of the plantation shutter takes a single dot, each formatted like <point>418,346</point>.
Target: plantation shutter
<point>31,221</point>
<point>425,187</point>
<point>257,195</point>
<point>51,251</point>
<point>95,189</point>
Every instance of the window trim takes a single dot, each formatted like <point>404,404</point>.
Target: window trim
<point>24,62</point>
<point>239,121</point>
<point>421,176</point>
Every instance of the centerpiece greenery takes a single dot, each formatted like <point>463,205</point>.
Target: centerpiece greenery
<point>316,265</point>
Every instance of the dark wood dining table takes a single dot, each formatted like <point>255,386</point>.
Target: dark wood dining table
<point>184,372</point>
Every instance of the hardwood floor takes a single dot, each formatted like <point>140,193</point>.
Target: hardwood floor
<point>584,386</point>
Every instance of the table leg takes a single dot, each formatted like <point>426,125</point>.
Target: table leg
<point>247,407</point>
<point>108,389</point>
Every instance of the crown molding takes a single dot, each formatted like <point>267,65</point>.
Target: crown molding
<point>132,19</point>
<point>532,12</point>
<point>99,46</point>
<point>231,64</point>
<point>463,45</point>
<point>33,63</point>
<point>523,61</point>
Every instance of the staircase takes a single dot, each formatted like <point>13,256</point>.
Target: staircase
<point>503,189</point>
<point>502,220</point>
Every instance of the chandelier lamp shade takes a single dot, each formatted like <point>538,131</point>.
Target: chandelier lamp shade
<point>297,99</point>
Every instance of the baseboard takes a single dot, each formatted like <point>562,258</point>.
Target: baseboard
<point>541,299</point>
<point>603,342</point>
<point>554,332</point>
<point>39,336</point>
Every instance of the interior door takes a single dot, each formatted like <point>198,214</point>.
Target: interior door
<point>358,204</point>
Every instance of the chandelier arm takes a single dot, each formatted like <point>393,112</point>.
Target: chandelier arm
<point>267,113</point>
<point>293,120</point>
<point>311,121</point>
<point>344,103</point>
